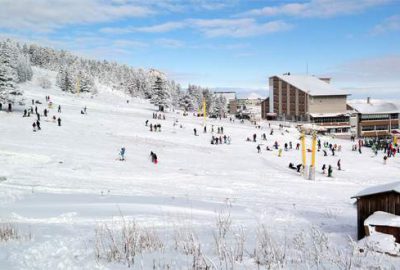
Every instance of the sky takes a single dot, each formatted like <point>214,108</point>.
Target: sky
<point>230,44</point>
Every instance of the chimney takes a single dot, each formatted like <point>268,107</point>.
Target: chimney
<point>368,100</point>
<point>326,79</point>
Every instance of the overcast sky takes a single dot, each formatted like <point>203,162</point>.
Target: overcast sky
<point>232,43</point>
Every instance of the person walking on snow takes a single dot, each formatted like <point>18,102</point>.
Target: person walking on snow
<point>122,154</point>
<point>323,169</point>
<point>330,170</point>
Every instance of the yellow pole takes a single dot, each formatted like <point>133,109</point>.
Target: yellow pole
<point>303,149</point>
<point>78,86</point>
<point>314,150</point>
<point>204,110</point>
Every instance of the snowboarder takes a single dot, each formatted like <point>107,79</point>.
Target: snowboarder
<point>330,170</point>
<point>122,154</point>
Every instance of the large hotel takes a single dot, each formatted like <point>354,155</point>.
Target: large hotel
<point>307,98</point>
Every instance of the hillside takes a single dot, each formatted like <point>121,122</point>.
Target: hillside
<point>61,183</point>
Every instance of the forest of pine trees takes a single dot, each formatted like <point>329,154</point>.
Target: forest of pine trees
<point>76,74</point>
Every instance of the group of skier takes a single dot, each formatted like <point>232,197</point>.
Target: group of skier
<point>36,124</point>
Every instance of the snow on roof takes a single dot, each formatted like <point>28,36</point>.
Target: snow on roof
<point>316,115</point>
<point>254,96</point>
<point>379,189</point>
<point>376,106</point>
<point>312,85</point>
<point>383,218</point>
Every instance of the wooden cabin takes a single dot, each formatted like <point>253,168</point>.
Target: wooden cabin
<point>384,198</point>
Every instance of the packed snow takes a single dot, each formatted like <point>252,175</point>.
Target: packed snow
<point>59,183</point>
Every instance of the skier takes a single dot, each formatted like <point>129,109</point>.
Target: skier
<point>59,121</point>
<point>45,112</point>
<point>385,159</point>
<point>122,154</point>
<point>258,149</point>
<point>9,107</point>
<point>254,137</point>
<point>330,171</point>
<point>205,129</point>
<point>34,126</point>
<point>195,132</point>
<point>25,113</point>
<point>59,108</point>
<point>339,165</point>
<point>145,123</point>
<point>323,169</point>
<point>38,124</point>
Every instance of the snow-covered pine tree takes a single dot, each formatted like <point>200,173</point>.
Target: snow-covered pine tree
<point>219,105</point>
<point>160,96</point>
<point>8,73</point>
<point>8,88</point>
<point>65,80</point>
<point>186,102</point>
<point>85,82</point>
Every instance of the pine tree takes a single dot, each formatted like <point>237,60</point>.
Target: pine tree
<point>8,88</point>
<point>186,102</point>
<point>160,96</point>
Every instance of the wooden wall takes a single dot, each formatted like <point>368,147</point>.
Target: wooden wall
<point>388,202</point>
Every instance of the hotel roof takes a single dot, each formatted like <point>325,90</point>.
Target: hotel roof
<point>312,85</point>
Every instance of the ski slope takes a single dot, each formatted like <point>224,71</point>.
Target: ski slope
<point>58,183</point>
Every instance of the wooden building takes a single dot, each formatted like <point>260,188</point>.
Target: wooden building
<point>384,198</point>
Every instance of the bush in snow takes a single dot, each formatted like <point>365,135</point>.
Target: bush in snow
<point>44,82</point>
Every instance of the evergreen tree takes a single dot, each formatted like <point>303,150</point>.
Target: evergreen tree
<point>160,96</point>
<point>8,88</point>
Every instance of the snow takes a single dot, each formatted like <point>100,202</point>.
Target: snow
<point>383,219</point>
<point>394,186</point>
<point>312,85</point>
<point>374,106</point>
<point>62,181</point>
<point>380,242</point>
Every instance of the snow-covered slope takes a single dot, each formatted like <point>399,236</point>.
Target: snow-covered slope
<point>58,183</point>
